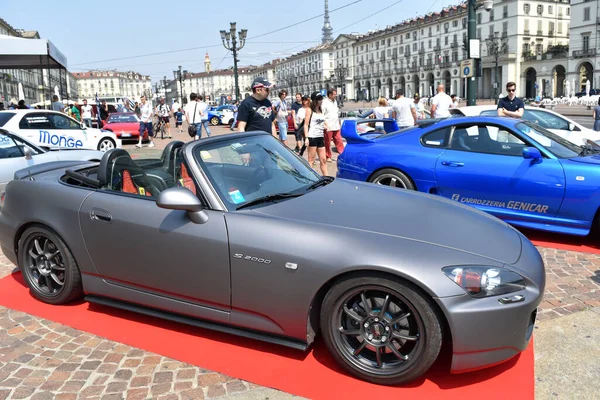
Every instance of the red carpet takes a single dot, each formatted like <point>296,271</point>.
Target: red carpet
<point>313,375</point>
<point>585,244</point>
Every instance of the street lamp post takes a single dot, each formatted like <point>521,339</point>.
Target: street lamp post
<point>472,41</point>
<point>496,46</point>
<point>341,73</point>
<point>178,75</point>
<point>229,40</point>
<point>165,86</point>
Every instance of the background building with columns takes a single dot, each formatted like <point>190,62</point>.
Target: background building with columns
<point>584,44</point>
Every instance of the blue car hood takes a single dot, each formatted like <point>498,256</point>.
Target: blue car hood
<point>405,214</point>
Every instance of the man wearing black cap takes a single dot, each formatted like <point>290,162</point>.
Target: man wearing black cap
<point>256,112</point>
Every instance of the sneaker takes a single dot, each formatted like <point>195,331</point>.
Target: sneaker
<point>139,145</point>
<point>151,144</point>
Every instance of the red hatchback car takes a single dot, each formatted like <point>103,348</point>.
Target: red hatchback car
<point>125,126</point>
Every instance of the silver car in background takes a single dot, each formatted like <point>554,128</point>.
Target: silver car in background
<point>17,153</point>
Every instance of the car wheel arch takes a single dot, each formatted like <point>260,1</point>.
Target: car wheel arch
<point>26,225</point>
<point>314,311</point>
<point>401,170</point>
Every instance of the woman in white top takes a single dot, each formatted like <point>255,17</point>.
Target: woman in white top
<point>300,115</point>
<point>314,128</point>
<point>381,111</point>
<point>419,107</point>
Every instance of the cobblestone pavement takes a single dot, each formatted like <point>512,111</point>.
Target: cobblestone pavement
<point>40,359</point>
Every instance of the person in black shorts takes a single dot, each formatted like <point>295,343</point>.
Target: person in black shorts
<point>511,105</point>
<point>296,106</point>
<point>256,111</point>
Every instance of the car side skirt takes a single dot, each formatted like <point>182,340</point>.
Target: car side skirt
<point>282,341</point>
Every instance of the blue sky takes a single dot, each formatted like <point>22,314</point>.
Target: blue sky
<point>91,31</point>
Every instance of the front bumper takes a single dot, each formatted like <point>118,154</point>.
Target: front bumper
<point>486,332</point>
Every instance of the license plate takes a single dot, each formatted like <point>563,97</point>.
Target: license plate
<point>125,134</point>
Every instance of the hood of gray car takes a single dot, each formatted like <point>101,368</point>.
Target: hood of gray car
<point>405,214</point>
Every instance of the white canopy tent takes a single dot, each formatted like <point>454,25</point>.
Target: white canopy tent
<point>20,53</point>
<point>41,54</point>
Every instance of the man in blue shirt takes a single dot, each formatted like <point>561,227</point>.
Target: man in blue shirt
<point>511,105</point>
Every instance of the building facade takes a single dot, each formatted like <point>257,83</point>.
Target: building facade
<point>308,71</point>
<point>584,45</point>
<point>112,83</point>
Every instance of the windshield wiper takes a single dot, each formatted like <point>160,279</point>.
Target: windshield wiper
<point>269,198</point>
<point>324,180</point>
<point>588,150</point>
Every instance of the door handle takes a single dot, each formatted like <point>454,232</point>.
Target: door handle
<point>100,215</point>
<point>453,163</point>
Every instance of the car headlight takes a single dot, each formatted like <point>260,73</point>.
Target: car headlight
<point>481,281</point>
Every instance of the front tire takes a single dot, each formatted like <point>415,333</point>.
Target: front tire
<point>48,266</point>
<point>214,121</point>
<point>393,178</point>
<point>381,330</point>
<point>106,144</point>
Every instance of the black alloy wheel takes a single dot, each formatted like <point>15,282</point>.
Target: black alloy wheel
<point>48,266</point>
<point>381,330</point>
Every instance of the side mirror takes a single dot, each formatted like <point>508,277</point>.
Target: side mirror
<point>27,152</point>
<point>179,198</point>
<point>82,125</point>
<point>532,153</point>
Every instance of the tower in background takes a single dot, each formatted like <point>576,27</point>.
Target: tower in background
<point>327,29</point>
<point>207,63</point>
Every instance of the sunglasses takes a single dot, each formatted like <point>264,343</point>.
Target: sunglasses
<point>511,90</point>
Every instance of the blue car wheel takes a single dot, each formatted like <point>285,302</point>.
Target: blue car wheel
<point>393,178</point>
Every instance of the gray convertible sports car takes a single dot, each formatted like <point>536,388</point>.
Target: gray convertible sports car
<point>236,233</point>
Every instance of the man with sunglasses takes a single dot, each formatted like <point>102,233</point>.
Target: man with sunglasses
<point>256,111</point>
<point>511,105</point>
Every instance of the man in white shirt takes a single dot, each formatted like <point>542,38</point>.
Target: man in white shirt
<point>163,113</point>
<point>404,111</point>
<point>145,121</point>
<point>332,124</point>
<point>193,115</point>
<point>440,104</point>
<point>86,113</point>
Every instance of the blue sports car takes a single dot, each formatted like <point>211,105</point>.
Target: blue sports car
<point>513,169</point>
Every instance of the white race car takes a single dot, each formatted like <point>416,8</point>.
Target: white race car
<point>54,129</point>
<point>553,121</point>
<point>17,153</point>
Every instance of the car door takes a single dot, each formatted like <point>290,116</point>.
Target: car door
<point>484,167</point>
<point>135,244</point>
<point>67,132</point>
<point>12,157</point>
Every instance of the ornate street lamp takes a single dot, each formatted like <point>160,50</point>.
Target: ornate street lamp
<point>472,6</point>
<point>230,42</point>
<point>496,46</point>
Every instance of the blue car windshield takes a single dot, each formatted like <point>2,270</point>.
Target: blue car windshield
<point>556,145</point>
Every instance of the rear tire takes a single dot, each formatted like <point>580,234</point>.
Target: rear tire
<point>48,266</point>
<point>381,330</point>
<point>393,178</point>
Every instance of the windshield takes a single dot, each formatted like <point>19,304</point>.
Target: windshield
<point>248,168</point>
<point>122,118</point>
<point>5,117</point>
<point>556,145</point>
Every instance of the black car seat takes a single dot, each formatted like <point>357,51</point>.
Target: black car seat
<point>118,172</point>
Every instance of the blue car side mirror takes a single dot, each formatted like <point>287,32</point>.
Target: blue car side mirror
<point>532,153</point>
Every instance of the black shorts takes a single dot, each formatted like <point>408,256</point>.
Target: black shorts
<point>165,119</point>
<point>299,133</point>
<point>316,142</point>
